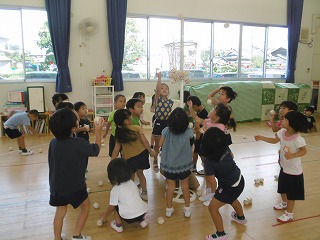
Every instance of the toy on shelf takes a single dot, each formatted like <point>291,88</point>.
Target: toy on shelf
<point>102,81</point>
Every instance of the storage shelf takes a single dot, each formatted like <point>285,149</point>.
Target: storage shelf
<point>102,100</point>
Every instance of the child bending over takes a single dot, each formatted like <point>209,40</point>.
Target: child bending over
<point>125,202</point>
<point>18,119</point>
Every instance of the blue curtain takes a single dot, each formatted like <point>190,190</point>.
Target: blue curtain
<point>117,10</point>
<point>59,26</point>
<point>294,21</point>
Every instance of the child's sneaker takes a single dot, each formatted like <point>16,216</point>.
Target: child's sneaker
<point>280,206</point>
<point>28,152</point>
<point>286,217</point>
<point>235,218</point>
<point>81,237</point>
<point>206,203</point>
<point>145,221</point>
<point>215,236</point>
<point>169,212</point>
<point>113,225</point>
<point>187,212</point>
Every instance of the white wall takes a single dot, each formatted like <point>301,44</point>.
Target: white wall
<point>95,57</point>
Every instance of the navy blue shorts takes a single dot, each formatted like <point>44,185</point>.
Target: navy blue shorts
<point>132,220</point>
<point>12,133</point>
<point>75,199</point>
<point>229,194</point>
<point>158,126</point>
<point>176,176</point>
<point>112,144</point>
<point>291,185</point>
<point>141,161</point>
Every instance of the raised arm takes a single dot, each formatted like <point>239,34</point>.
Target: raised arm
<point>212,94</point>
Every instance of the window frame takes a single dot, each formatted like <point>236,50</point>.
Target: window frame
<point>23,50</point>
<point>211,73</point>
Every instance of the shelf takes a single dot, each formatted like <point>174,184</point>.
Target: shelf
<point>104,105</point>
<point>103,95</point>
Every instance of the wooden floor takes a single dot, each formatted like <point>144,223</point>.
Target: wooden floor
<point>26,214</point>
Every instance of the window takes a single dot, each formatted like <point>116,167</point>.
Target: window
<point>225,52</point>
<point>25,46</point>
<point>211,50</point>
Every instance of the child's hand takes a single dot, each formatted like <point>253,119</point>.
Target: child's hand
<point>288,155</point>
<point>98,124</point>
<point>258,138</point>
<point>153,153</point>
<point>158,74</point>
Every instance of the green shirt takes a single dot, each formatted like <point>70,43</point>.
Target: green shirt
<point>113,124</point>
<point>135,121</point>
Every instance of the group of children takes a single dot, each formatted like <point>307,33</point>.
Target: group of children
<point>173,135</point>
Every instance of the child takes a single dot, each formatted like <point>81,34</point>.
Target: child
<point>163,107</point>
<point>293,147</point>
<point>67,165</point>
<point>61,105</point>
<point>85,125</point>
<point>308,111</point>
<point>195,103</point>
<point>119,103</point>
<point>285,107</point>
<point>218,117</point>
<point>135,106</point>
<point>18,119</point>
<point>59,97</point>
<point>125,201</point>
<point>225,95</point>
<point>176,157</point>
<point>219,163</point>
<point>142,97</point>
<point>135,147</point>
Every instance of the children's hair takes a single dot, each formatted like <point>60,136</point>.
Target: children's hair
<point>309,109</point>
<point>290,105</point>
<point>186,95</point>
<point>138,95</point>
<point>34,112</point>
<point>178,121</point>
<point>59,97</point>
<point>123,134</point>
<point>195,100</point>
<point>297,121</point>
<point>224,113</point>
<point>229,92</point>
<point>78,105</point>
<point>64,105</point>
<point>62,122</point>
<point>118,171</point>
<point>152,100</point>
<point>132,102</point>
<point>118,96</point>
<point>214,144</point>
